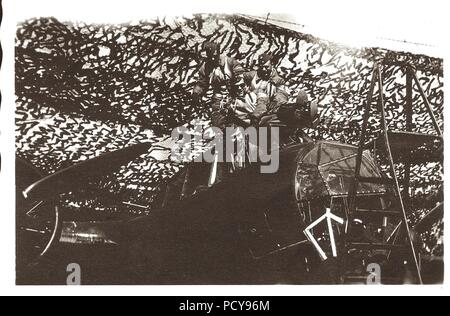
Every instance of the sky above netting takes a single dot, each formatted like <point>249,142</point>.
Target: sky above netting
<point>413,26</point>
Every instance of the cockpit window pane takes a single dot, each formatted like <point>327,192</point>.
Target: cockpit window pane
<point>338,176</point>
<point>333,151</point>
<point>311,158</point>
<point>309,183</point>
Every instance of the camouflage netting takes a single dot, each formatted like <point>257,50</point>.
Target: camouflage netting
<point>83,90</point>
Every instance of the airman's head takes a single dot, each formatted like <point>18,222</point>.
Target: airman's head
<point>211,52</point>
<point>265,66</point>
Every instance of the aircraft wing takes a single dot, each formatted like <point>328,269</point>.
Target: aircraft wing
<point>78,175</point>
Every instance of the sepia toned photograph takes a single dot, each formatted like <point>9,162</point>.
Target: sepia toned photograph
<point>225,149</point>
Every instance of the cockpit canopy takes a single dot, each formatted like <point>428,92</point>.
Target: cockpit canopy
<point>327,169</point>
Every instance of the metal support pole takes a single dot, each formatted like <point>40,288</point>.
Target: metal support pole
<point>427,105</point>
<point>409,128</point>
<point>394,175</point>
<point>354,188</point>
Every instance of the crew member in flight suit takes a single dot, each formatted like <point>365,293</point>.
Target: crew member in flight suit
<point>224,75</point>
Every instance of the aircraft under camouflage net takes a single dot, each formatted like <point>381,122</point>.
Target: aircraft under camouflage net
<point>330,215</point>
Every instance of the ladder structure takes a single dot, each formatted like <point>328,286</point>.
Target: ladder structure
<point>406,147</point>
